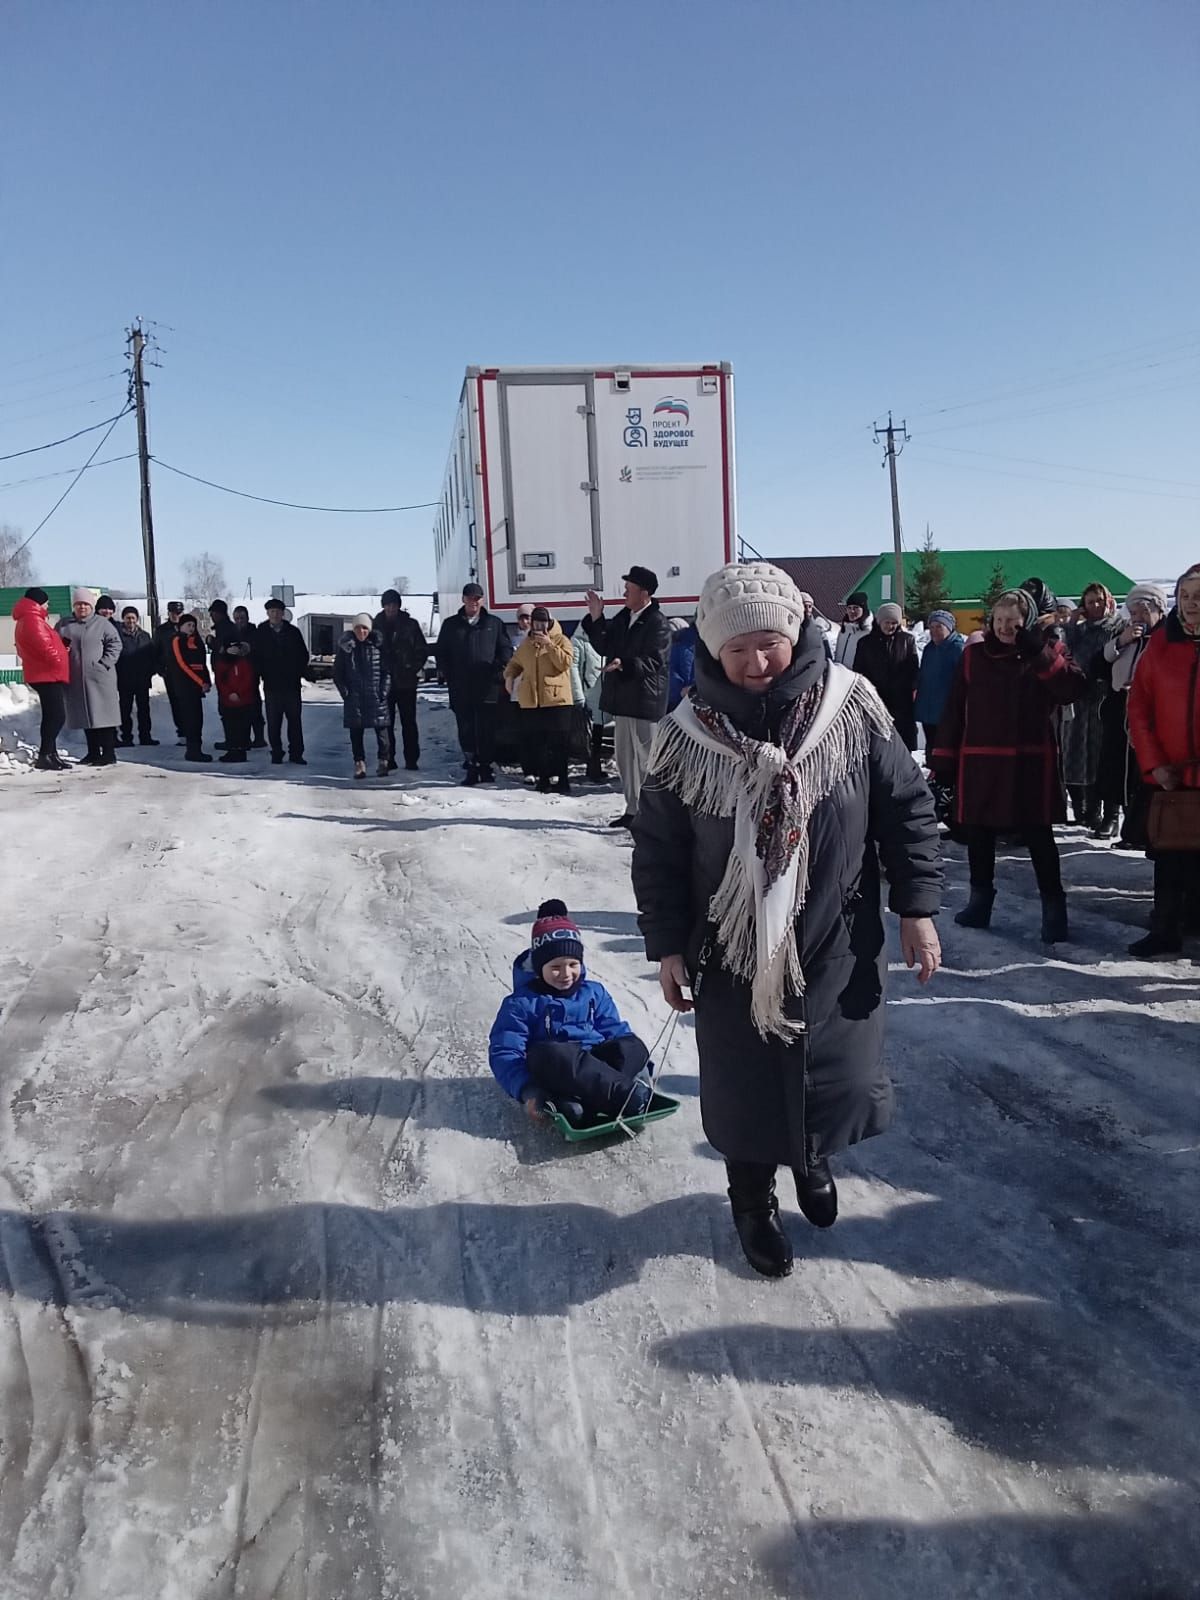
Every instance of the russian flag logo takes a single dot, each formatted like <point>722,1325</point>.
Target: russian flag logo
<point>672,406</point>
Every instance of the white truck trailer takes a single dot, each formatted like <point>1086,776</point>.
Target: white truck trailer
<point>560,479</point>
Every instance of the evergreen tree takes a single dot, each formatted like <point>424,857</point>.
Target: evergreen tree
<point>926,590</point>
<point>997,584</point>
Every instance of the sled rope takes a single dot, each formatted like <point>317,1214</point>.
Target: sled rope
<point>665,1038</point>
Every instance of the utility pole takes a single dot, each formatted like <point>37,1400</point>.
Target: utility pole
<point>137,341</point>
<point>890,457</point>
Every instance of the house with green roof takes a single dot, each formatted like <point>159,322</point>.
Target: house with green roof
<point>969,576</point>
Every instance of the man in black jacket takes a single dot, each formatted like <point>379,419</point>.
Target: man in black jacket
<point>637,644</point>
<point>135,668</point>
<point>473,648</point>
<point>164,637</point>
<point>281,656</point>
<point>405,650</point>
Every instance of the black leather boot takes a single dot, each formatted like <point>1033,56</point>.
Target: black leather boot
<point>1054,919</point>
<point>756,1218</point>
<point>817,1194</point>
<point>977,913</point>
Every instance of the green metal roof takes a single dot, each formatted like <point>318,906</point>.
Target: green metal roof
<point>58,594</point>
<point>969,572</point>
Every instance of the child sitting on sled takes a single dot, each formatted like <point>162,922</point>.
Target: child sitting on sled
<point>559,1037</point>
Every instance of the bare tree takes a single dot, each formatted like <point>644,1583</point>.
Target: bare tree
<point>204,581</point>
<point>401,585</point>
<point>16,565</point>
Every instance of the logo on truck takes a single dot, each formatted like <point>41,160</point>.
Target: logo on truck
<point>674,407</point>
<point>636,436</point>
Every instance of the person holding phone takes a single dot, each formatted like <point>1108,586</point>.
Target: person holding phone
<point>542,665</point>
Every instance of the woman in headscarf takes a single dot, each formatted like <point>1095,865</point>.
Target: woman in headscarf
<point>1164,722</point>
<point>888,658</point>
<point>1095,624</point>
<point>996,745</point>
<point>1119,783</point>
<point>93,696</point>
<point>772,791</point>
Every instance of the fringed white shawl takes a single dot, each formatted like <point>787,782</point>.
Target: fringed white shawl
<point>755,918</point>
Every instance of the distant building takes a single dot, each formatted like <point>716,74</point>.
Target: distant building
<point>829,579</point>
<point>59,596</point>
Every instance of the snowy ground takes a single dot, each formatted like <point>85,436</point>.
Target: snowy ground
<point>293,1303</point>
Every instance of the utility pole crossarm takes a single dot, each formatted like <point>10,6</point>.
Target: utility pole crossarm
<point>890,434</point>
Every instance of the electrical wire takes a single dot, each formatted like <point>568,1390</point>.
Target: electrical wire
<point>1067,405</point>
<point>66,472</point>
<point>34,448</point>
<point>292,505</point>
<point>47,394</point>
<point>1062,466</point>
<point>1069,483</point>
<point>71,485</point>
<point>55,372</point>
<point>58,349</point>
<point>8,423</point>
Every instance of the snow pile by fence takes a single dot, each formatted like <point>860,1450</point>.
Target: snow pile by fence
<point>18,725</point>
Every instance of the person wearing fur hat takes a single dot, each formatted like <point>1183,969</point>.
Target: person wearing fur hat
<point>93,700</point>
<point>857,623</point>
<point>362,676</point>
<point>1119,783</point>
<point>996,744</point>
<point>772,792</point>
<point>559,1035</point>
<point>887,657</point>
<point>938,666</point>
<point>1164,724</point>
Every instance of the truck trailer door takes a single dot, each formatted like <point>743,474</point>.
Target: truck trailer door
<point>548,445</point>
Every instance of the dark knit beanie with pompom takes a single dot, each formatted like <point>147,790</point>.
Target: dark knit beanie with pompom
<point>555,936</point>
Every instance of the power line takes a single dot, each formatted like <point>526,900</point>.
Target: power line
<point>46,394</point>
<point>1068,483</point>
<point>1067,405</point>
<point>65,472</point>
<point>56,372</point>
<point>291,505</point>
<point>56,350</point>
<point>1063,466</point>
<point>66,439</point>
<point>71,485</point>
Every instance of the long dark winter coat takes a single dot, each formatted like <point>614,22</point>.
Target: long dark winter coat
<point>362,678</point>
<point>996,740</point>
<point>281,658</point>
<point>643,647</point>
<point>94,647</point>
<point>1082,734</point>
<point>405,646</point>
<point>138,658</point>
<point>472,656</point>
<point>889,661</point>
<point>763,1100</point>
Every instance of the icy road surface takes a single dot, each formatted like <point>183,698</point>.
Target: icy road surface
<point>293,1303</point>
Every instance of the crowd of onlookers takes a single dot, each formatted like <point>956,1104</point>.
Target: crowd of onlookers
<point>1096,704</point>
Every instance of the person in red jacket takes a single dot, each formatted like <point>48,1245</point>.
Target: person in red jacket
<point>45,664</point>
<point>996,744</point>
<point>1164,725</point>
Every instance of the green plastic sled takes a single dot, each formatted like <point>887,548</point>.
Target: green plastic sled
<point>661,1105</point>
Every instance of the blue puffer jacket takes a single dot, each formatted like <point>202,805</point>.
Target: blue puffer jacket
<point>587,1016</point>
<point>938,666</point>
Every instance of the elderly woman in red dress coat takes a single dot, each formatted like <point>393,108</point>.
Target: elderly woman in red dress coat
<point>996,743</point>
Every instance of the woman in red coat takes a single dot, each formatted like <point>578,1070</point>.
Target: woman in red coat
<point>1164,725</point>
<point>45,663</point>
<point>996,744</point>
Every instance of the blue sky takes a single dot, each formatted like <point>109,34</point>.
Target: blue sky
<point>331,210</point>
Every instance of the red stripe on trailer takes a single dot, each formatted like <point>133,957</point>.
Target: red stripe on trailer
<point>725,496</point>
<point>487,499</point>
<point>615,600</point>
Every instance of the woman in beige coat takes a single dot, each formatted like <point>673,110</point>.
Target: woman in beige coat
<point>542,662</point>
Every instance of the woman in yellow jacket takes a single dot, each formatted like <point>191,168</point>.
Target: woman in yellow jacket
<point>543,664</point>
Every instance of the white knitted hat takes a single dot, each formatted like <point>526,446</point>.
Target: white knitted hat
<point>362,620</point>
<point>748,597</point>
<point>84,597</point>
